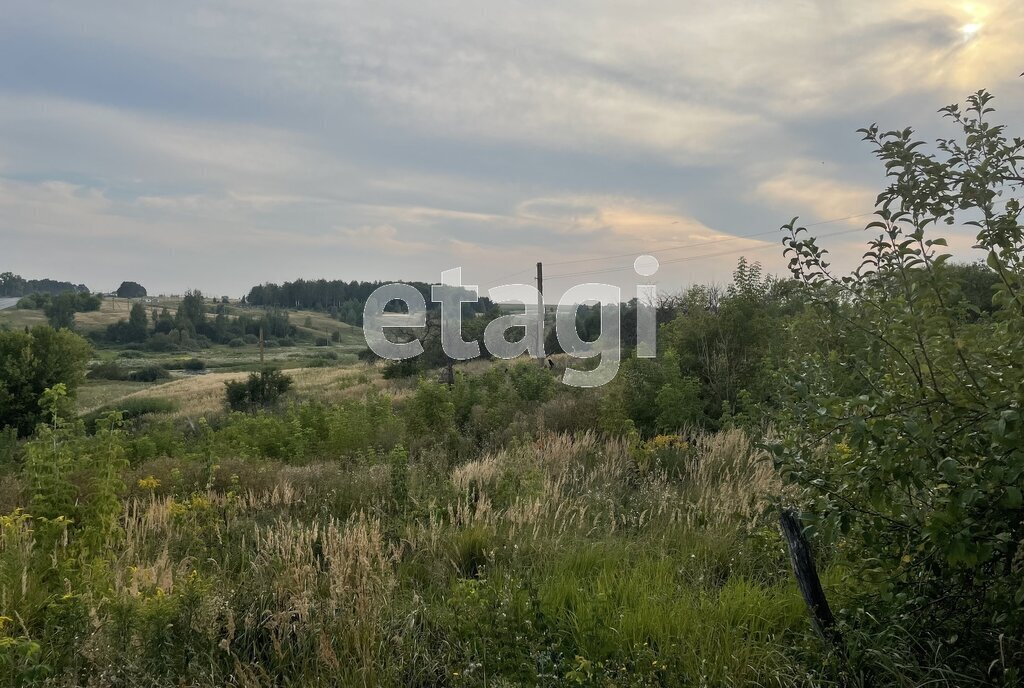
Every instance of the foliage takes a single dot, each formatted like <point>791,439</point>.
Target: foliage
<point>60,308</point>
<point>131,290</point>
<point>903,415</point>
<point>31,362</point>
<point>129,409</point>
<point>135,329</point>
<point>430,414</point>
<point>16,285</point>
<point>259,390</point>
<point>730,341</point>
<point>152,373</point>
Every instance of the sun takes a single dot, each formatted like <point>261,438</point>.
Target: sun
<point>969,31</point>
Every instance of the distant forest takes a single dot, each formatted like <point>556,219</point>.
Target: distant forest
<point>343,300</point>
<point>16,285</point>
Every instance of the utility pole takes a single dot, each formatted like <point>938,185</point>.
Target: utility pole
<point>540,312</point>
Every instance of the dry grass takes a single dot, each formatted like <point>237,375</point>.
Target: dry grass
<point>581,480</point>
<point>17,319</point>
<point>96,394</point>
<point>199,395</point>
<point>323,325</point>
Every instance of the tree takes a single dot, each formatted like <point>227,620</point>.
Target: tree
<point>131,290</point>
<point>30,363</point>
<point>135,329</point>
<point>11,284</point>
<point>729,340</point>
<point>60,311</point>
<point>138,322</point>
<point>192,312</point>
<point>902,420</point>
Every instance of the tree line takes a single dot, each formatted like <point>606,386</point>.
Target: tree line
<point>343,300</point>
<point>191,326</point>
<point>16,285</point>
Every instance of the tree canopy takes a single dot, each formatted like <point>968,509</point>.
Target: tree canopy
<point>30,363</point>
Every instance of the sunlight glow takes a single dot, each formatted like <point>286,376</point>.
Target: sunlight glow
<point>970,30</point>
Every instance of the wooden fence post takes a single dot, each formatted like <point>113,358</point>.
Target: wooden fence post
<point>807,575</point>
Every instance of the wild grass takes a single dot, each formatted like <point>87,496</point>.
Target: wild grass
<point>195,396</point>
<point>569,559</point>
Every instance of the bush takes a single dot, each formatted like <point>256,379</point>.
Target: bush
<point>236,343</point>
<point>108,371</point>
<point>32,362</point>
<point>149,374</point>
<point>162,342</point>
<point>396,370</point>
<point>194,365</point>
<point>260,390</point>
<point>903,421</point>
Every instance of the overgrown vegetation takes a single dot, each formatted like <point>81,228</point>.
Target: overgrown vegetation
<point>507,530</point>
<point>260,390</point>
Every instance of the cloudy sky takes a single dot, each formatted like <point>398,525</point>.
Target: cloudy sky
<point>218,145</point>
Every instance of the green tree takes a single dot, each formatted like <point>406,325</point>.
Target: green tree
<point>191,312</point>
<point>138,322</point>
<point>131,290</point>
<point>30,363</point>
<point>60,311</point>
<point>902,419</point>
<point>135,329</point>
<point>730,341</point>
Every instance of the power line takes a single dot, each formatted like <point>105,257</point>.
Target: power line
<point>690,245</point>
<point>704,243</point>
<point>688,258</point>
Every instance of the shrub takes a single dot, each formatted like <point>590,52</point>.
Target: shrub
<point>236,343</point>
<point>149,374</point>
<point>396,370</point>
<point>32,362</point>
<point>108,371</point>
<point>162,342</point>
<point>923,469</point>
<point>194,365</point>
<point>260,390</point>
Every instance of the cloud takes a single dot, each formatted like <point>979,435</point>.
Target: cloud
<point>803,184</point>
<point>228,143</point>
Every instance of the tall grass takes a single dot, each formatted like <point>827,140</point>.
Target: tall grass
<point>569,559</point>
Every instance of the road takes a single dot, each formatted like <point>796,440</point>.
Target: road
<point>8,303</point>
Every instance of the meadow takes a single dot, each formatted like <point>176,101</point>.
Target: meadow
<point>371,531</point>
<point>184,507</point>
<point>306,548</point>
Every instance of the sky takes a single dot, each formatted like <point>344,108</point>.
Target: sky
<point>218,145</point>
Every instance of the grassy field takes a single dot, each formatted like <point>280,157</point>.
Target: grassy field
<point>353,537</point>
<point>371,532</point>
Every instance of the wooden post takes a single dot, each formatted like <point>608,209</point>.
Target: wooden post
<point>807,575</point>
<point>261,346</point>
<point>540,312</point>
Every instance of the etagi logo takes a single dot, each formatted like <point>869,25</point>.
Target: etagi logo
<point>451,294</point>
